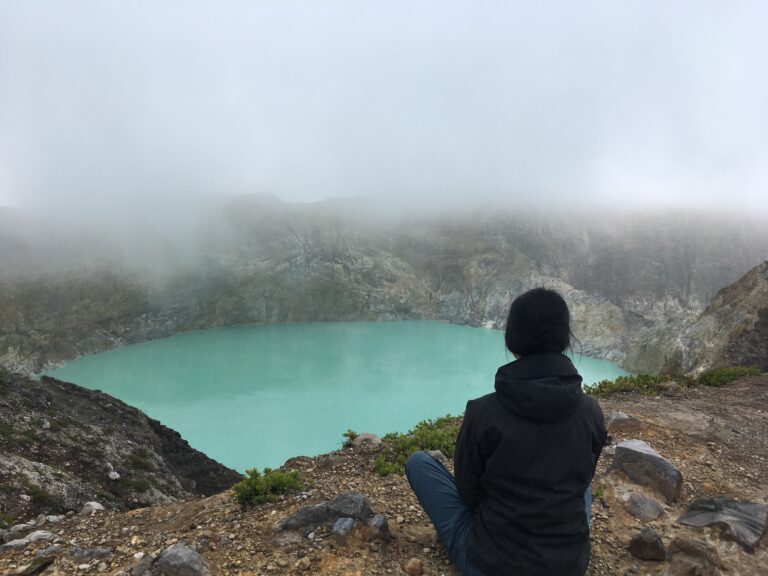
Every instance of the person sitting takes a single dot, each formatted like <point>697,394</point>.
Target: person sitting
<point>525,457</point>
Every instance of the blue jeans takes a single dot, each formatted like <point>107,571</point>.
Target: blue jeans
<point>437,493</point>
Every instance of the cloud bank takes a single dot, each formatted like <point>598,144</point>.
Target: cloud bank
<point>128,107</point>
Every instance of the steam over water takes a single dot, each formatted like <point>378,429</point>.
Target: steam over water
<point>256,395</point>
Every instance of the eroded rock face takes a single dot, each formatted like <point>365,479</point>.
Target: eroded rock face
<point>732,331</point>
<point>61,467</point>
<point>632,285</point>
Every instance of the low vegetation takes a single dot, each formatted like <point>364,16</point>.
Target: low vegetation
<point>652,385</point>
<point>139,459</point>
<point>439,434</point>
<point>258,488</point>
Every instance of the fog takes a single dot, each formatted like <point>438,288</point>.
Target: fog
<point>116,111</point>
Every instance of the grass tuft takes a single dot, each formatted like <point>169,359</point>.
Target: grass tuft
<point>258,488</point>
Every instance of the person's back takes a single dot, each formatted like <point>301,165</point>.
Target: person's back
<point>525,456</point>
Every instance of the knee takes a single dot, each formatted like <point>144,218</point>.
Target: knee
<point>416,462</point>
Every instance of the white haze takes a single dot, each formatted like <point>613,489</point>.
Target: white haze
<point>117,110</point>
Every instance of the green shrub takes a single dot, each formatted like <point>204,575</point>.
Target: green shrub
<point>646,384</point>
<point>439,434</point>
<point>650,385</point>
<point>6,520</point>
<point>257,488</point>
<point>349,436</point>
<point>138,484</point>
<point>140,459</point>
<point>722,376</point>
<point>41,498</point>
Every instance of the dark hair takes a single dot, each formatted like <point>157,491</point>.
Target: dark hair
<point>538,321</point>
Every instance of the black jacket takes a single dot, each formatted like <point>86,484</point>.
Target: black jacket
<point>525,455</point>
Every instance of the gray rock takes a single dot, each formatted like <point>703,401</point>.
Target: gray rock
<point>143,567</point>
<point>341,530</point>
<point>648,468</point>
<point>688,557</point>
<point>53,519</point>
<point>50,551</point>
<point>40,536</point>
<point>623,422</point>
<point>312,515</point>
<point>91,507</point>
<point>37,566</point>
<point>3,532</point>
<point>14,545</point>
<point>438,455</point>
<point>745,522</point>
<point>647,545</point>
<point>366,438</point>
<point>351,505</point>
<point>17,532</point>
<point>644,508</point>
<point>377,528</point>
<point>98,552</point>
<point>179,560</point>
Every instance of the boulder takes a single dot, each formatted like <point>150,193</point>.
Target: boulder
<point>351,505</point>
<point>179,560</point>
<point>688,557</point>
<point>642,464</point>
<point>744,522</point>
<point>647,545</point>
<point>643,508</point>
<point>366,438</point>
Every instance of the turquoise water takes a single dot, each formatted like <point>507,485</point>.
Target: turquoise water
<point>256,395</point>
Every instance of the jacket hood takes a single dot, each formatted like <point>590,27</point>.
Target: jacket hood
<point>540,387</point>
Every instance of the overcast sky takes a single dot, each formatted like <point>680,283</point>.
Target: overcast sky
<point>116,104</point>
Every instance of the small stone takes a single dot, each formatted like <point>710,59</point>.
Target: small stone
<point>91,507</point>
<point>644,508</point>
<point>399,519</point>
<point>438,455</point>
<point>341,530</point>
<point>113,475</point>
<point>41,520</point>
<point>179,560</point>
<point>49,552</point>
<point>304,563</point>
<point>647,545</point>
<point>414,567</point>
<point>40,536</point>
<point>377,528</point>
<point>46,425</point>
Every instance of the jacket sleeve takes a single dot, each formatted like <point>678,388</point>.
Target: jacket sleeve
<point>600,437</point>
<point>469,464</point>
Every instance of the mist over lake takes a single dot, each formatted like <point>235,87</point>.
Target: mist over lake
<point>256,395</point>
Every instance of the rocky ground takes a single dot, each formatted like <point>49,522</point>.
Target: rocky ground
<point>716,438</point>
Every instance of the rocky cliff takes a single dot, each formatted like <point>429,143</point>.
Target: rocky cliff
<point>632,282</point>
<point>62,445</point>
<point>732,331</point>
